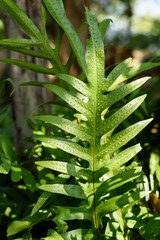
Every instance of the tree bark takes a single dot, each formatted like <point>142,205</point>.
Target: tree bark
<point>25,99</point>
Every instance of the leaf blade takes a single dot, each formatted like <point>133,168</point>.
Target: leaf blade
<point>67,146</point>
<point>56,9</point>
<point>121,138</point>
<point>29,66</point>
<point>121,92</point>
<point>69,98</point>
<point>119,201</point>
<point>64,167</point>
<point>119,116</point>
<point>21,18</point>
<point>66,125</point>
<point>133,71</point>
<point>64,189</point>
<point>74,82</point>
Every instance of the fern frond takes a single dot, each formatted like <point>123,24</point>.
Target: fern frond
<point>96,176</point>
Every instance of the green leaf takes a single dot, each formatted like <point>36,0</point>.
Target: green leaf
<point>119,116</point>
<point>83,180</point>
<point>121,138</point>
<point>133,71</point>
<point>65,189</point>
<point>5,166</point>
<point>65,167</point>
<point>16,172</point>
<point>72,54</point>
<point>45,195</point>
<point>72,213</point>
<point>42,199</point>
<point>57,11</point>
<point>119,202</point>
<point>44,19</point>
<point>119,180</point>
<point>67,146</point>
<point>121,92</point>
<point>27,222</point>
<point>69,98</point>
<point>66,125</point>
<point>122,157</point>
<point>28,52</point>
<point>74,82</point>
<point>29,179</point>
<point>8,148</point>
<point>94,53</point>
<point>29,66</point>
<point>20,42</point>
<point>154,162</point>
<point>103,27</point>
<point>20,17</point>
<point>116,72</point>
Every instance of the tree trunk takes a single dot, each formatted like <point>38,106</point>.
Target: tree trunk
<point>25,99</point>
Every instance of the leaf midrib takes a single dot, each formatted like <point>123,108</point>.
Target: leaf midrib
<point>94,143</point>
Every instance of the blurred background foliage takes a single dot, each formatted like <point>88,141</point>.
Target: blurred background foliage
<point>134,31</point>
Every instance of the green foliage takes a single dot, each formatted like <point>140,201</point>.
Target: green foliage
<point>92,182</point>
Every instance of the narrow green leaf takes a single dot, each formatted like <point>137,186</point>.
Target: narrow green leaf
<point>67,146</point>
<point>5,166</point>
<point>154,161</point>
<point>29,179</point>
<point>8,148</point>
<point>121,138</point>
<point>30,66</point>
<point>20,42</point>
<point>57,11</point>
<point>119,116</point>
<point>72,213</point>
<point>44,19</point>
<point>66,125</point>
<point>121,92</point>
<point>133,71</point>
<point>16,172</point>
<point>119,180</point>
<point>119,202</point>
<point>64,189</point>
<point>61,178</point>
<point>122,157</point>
<point>94,53</point>
<point>33,83</point>
<point>74,82</point>
<point>72,54</point>
<point>116,72</point>
<point>103,27</point>
<point>27,52</point>
<point>69,98</point>
<point>65,167</point>
<point>21,18</point>
<point>42,199</point>
<point>27,222</point>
